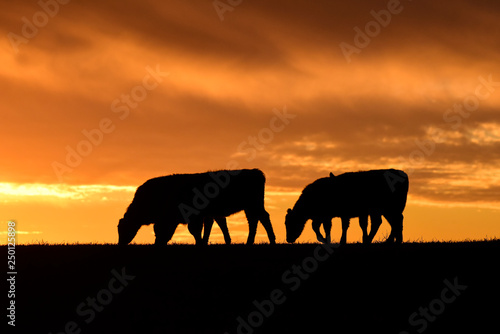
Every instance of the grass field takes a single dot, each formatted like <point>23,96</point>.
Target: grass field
<point>378,288</point>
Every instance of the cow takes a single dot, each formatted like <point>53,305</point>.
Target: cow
<point>168,201</point>
<point>374,193</point>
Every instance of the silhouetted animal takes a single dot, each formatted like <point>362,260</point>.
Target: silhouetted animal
<point>168,201</point>
<point>374,193</point>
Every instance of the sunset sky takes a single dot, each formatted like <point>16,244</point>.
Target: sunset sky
<point>99,96</point>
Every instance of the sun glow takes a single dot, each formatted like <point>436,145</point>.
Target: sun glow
<point>11,192</point>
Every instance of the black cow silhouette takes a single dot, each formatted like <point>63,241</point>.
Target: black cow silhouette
<point>168,201</point>
<point>374,193</point>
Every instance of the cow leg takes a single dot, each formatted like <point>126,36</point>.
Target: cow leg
<point>207,228</point>
<point>376,221</point>
<point>252,230</point>
<point>252,227</point>
<point>195,226</point>
<point>222,222</point>
<point>396,222</point>
<point>253,218</point>
<point>345,226</point>
<point>266,222</point>
<point>163,233</point>
<point>316,224</point>
<point>327,226</point>
<point>363,223</point>
<point>390,239</point>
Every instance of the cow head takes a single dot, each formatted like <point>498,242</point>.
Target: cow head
<point>127,229</point>
<point>294,225</point>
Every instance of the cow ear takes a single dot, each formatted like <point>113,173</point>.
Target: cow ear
<point>289,210</point>
<point>331,175</point>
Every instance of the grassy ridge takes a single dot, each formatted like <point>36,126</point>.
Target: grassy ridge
<point>257,289</point>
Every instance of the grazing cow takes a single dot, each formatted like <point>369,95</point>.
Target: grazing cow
<point>374,193</point>
<point>168,201</point>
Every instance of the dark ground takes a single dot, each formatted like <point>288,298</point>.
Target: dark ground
<point>187,289</point>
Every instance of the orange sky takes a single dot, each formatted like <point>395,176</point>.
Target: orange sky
<point>149,88</point>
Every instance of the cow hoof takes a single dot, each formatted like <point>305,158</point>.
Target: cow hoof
<point>321,239</point>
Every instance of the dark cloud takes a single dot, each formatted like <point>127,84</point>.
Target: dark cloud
<point>227,76</point>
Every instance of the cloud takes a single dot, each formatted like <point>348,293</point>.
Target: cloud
<point>226,78</point>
